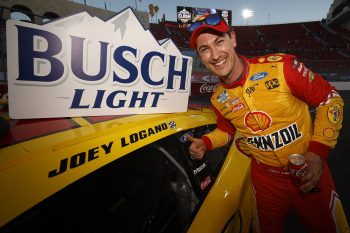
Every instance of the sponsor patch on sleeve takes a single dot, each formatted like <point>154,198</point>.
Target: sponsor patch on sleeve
<point>328,132</point>
<point>311,76</point>
<point>303,70</point>
<point>335,113</point>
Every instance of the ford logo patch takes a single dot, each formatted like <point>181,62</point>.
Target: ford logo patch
<point>258,76</point>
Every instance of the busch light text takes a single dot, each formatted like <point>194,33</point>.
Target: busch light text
<point>57,71</point>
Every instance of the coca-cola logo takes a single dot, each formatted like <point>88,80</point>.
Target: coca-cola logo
<point>208,88</point>
<point>205,182</point>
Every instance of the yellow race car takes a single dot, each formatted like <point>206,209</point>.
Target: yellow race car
<point>122,174</point>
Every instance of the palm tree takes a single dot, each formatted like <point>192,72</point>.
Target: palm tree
<point>156,9</point>
<point>151,10</point>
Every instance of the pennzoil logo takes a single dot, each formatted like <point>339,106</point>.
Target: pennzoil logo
<point>274,58</point>
<point>277,139</point>
<point>271,84</point>
<point>335,113</point>
<point>257,121</point>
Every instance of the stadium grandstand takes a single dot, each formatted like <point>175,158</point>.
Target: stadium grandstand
<point>322,45</point>
<point>325,48</point>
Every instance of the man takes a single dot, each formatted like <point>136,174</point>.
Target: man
<point>266,100</point>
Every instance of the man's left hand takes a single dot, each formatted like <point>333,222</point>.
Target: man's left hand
<point>314,174</point>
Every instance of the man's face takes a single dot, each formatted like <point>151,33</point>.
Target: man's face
<point>217,53</point>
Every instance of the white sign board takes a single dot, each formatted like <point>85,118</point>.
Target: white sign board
<point>83,66</point>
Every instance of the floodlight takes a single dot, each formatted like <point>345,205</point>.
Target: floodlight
<point>247,13</point>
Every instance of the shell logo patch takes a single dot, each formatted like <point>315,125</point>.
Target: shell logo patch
<point>257,121</point>
<point>335,114</point>
<point>274,58</point>
<point>328,132</point>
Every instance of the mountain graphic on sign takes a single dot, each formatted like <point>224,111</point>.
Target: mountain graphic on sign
<point>124,25</point>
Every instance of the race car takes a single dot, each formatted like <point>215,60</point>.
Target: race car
<point>122,174</point>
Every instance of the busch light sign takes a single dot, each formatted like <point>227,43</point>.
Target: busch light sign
<point>83,66</point>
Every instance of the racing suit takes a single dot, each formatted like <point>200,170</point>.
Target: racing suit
<point>269,106</point>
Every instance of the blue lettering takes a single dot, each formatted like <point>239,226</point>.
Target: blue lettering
<point>77,98</point>
<point>173,72</point>
<point>27,55</point>
<point>145,65</point>
<point>134,98</point>
<point>137,98</point>
<point>110,99</point>
<point>99,97</point>
<point>78,58</point>
<point>125,58</point>
<point>120,60</point>
<point>156,98</point>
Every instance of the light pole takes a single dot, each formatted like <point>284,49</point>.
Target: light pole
<point>247,13</point>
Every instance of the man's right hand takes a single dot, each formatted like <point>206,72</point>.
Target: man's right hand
<point>197,147</point>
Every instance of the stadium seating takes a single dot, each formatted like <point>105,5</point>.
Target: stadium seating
<point>325,49</point>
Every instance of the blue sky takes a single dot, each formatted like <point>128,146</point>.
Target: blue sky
<point>265,11</point>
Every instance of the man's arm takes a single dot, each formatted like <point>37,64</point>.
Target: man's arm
<point>215,139</point>
<point>314,90</point>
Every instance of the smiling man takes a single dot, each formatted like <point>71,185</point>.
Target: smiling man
<point>216,48</point>
<point>266,99</point>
